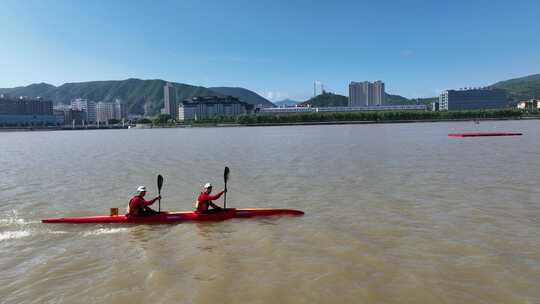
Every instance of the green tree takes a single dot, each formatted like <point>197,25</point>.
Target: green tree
<point>161,119</point>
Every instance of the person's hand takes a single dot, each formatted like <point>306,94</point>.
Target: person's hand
<point>158,197</point>
<point>225,191</point>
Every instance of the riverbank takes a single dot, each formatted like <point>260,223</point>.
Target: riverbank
<point>60,128</point>
<point>209,124</point>
<point>317,123</point>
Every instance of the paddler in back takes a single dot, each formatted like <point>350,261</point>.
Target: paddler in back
<point>138,206</point>
<point>204,201</point>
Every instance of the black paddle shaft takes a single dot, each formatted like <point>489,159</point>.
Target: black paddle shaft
<point>225,178</point>
<point>159,185</point>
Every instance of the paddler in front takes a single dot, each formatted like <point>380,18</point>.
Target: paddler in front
<point>204,202</point>
<point>138,206</point>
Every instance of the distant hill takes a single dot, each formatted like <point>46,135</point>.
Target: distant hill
<point>392,100</point>
<point>286,103</point>
<point>336,100</point>
<point>427,100</point>
<point>400,100</point>
<point>146,96</point>
<point>326,100</point>
<point>141,96</point>
<point>244,95</point>
<point>517,89</point>
<point>522,88</point>
<point>33,90</point>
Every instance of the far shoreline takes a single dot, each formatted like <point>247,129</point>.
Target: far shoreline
<point>235,125</point>
<point>318,123</point>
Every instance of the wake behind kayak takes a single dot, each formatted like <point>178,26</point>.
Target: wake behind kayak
<point>176,217</point>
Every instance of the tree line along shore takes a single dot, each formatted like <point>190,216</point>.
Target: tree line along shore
<point>375,117</point>
<point>164,120</point>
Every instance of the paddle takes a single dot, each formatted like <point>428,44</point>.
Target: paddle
<point>225,178</point>
<point>159,185</point>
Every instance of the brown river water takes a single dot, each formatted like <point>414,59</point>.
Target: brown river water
<point>395,213</point>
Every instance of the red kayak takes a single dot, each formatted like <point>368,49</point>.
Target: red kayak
<point>175,217</point>
<point>477,134</point>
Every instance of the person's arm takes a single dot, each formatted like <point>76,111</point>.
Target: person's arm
<point>150,202</point>
<point>215,197</point>
<point>199,205</point>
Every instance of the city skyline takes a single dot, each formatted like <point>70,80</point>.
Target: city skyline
<point>275,51</point>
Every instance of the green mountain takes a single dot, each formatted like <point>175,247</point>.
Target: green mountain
<point>518,89</point>
<point>336,100</point>
<point>522,88</point>
<point>32,90</point>
<point>141,96</point>
<point>392,100</point>
<point>244,95</point>
<point>395,100</point>
<point>326,100</point>
<point>428,101</point>
<point>146,96</point>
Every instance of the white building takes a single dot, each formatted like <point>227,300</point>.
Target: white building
<point>529,104</point>
<point>120,110</point>
<point>211,106</point>
<point>344,109</point>
<point>105,112</point>
<point>87,106</point>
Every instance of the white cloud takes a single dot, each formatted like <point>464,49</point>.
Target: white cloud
<point>276,95</point>
<point>406,53</point>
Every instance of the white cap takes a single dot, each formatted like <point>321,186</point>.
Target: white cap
<point>207,185</point>
<point>141,189</point>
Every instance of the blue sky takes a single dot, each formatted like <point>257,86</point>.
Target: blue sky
<point>276,48</point>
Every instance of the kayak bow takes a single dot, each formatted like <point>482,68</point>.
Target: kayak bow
<point>175,217</point>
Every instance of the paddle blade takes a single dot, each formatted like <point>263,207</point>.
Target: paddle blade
<point>226,174</point>
<point>159,181</point>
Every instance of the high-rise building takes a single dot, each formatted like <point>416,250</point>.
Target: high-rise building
<point>104,112</point>
<point>120,110</point>
<point>87,106</point>
<point>169,98</point>
<point>358,94</point>
<point>378,93</point>
<point>472,99</point>
<point>363,94</point>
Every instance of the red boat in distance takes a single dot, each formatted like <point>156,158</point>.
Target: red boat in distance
<point>479,134</point>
